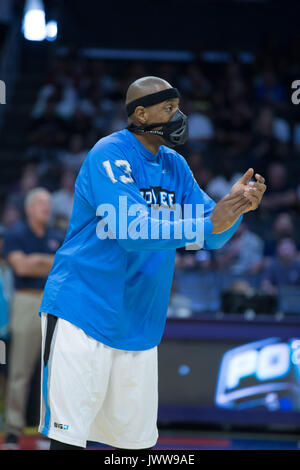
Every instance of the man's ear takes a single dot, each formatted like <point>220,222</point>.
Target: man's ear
<point>140,115</point>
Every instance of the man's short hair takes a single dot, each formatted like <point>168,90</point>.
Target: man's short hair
<point>32,193</point>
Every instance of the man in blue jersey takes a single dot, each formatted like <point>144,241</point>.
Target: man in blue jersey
<point>105,302</point>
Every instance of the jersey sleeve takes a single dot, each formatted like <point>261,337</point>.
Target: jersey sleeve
<point>195,195</point>
<point>110,186</point>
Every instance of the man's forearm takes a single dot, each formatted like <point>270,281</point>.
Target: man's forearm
<point>33,265</point>
<point>39,265</point>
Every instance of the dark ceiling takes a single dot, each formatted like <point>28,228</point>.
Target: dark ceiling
<point>177,24</point>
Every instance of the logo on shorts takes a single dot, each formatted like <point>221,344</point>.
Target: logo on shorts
<point>61,426</point>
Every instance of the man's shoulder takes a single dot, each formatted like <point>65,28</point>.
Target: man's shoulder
<point>169,152</point>
<point>116,142</point>
<point>173,156</point>
<point>15,237</point>
<point>20,228</point>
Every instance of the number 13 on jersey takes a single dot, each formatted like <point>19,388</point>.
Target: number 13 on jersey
<point>126,178</point>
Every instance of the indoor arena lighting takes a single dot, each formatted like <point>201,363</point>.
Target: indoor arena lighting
<point>51,30</point>
<point>34,25</point>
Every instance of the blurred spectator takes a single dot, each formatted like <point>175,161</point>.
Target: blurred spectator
<point>203,176</point>
<point>235,298</point>
<point>281,130</point>
<point>283,227</point>
<point>91,104</point>
<point>29,180</point>
<point>240,297</point>
<point>202,173</point>
<point>267,88</point>
<point>263,141</point>
<point>108,83</point>
<point>296,137</point>
<point>234,130</point>
<point>29,249</point>
<point>185,259</point>
<point>201,128</point>
<point>80,123</point>
<point>220,185</point>
<point>179,304</point>
<point>120,119</point>
<point>62,199</point>
<point>243,253</point>
<point>49,130</point>
<point>73,158</point>
<point>204,260</point>
<point>66,105</point>
<point>10,216</point>
<point>6,290</point>
<point>232,111</point>
<point>165,70</point>
<point>65,98</point>
<point>280,195</point>
<point>195,160</point>
<point>270,137</point>
<point>91,138</point>
<point>43,95</point>
<point>193,83</point>
<point>61,223</point>
<point>188,259</point>
<point>283,269</point>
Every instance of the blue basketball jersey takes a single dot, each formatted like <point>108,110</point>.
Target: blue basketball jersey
<point>112,276</point>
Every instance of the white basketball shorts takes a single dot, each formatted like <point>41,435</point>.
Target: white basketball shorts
<point>92,392</point>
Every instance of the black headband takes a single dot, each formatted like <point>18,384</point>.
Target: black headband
<point>153,98</point>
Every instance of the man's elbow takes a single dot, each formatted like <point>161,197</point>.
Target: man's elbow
<point>18,264</point>
<point>20,270</point>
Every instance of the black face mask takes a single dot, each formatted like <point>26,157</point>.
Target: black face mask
<point>174,132</point>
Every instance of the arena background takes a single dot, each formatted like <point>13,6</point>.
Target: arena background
<point>234,63</point>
